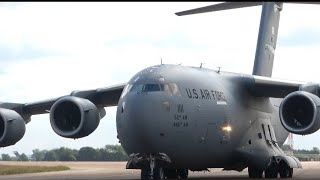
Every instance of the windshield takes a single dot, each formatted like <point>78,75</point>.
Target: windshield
<point>169,88</point>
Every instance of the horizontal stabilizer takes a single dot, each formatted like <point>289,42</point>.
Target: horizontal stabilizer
<point>219,7</point>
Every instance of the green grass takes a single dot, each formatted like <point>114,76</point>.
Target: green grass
<point>10,169</point>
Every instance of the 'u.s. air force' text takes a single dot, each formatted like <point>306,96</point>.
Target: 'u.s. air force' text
<point>205,94</point>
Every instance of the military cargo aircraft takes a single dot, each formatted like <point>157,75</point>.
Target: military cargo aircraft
<point>172,118</point>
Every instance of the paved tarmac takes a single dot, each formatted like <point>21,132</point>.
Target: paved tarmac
<point>117,171</point>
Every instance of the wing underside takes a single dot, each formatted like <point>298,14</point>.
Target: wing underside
<point>101,97</point>
<point>270,87</point>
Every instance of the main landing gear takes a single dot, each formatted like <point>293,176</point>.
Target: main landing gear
<point>155,166</point>
<point>272,171</point>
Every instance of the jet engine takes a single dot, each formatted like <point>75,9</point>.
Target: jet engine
<point>74,117</point>
<point>12,127</point>
<point>299,113</point>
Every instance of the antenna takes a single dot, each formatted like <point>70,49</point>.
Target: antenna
<point>219,69</point>
<point>161,61</point>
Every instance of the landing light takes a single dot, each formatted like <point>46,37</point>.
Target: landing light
<point>227,128</point>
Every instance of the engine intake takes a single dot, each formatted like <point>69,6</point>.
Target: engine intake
<point>74,117</point>
<point>299,112</point>
<point>12,127</point>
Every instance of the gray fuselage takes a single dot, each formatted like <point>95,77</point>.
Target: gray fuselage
<point>199,117</point>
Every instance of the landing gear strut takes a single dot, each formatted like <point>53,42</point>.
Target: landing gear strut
<point>154,166</point>
<point>158,174</point>
<point>154,171</point>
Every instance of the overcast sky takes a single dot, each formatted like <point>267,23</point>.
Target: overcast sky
<point>49,49</point>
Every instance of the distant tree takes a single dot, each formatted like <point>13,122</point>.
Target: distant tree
<point>88,154</point>
<point>108,153</point>
<point>6,157</point>
<point>38,155</point>
<point>314,150</point>
<point>286,147</point>
<point>23,157</point>
<point>103,154</point>
<point>50,156</point>
<point>17,155</point>
<point>116,153</point>
<point>66,154</point>
<point>69,157</point>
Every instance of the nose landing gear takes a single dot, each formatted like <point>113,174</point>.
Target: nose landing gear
<point>153,166</point>
<point>156,174</point>
<point>154,171</point>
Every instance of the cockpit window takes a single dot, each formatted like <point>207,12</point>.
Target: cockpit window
<point>169,88</point>
<point>151,87</point>
<point>136,88</point>
<point>174,89</point>
<point>126,90</point>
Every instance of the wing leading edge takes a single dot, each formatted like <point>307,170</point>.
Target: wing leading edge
<point>101,97</point>
<point>270,87</point>
<point>109,96</point>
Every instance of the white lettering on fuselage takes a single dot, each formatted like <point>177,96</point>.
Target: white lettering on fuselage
<point>205,94</point>
<point>180,118</point>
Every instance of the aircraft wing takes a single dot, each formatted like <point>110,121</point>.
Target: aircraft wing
<point>270,87</point>
<point>101,97</point>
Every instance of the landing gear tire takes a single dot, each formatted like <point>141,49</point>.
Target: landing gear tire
<point>271,172</point>
<point>183,173</point>
<point>255,173</point>
<point>158,174</point>
<point>145,174</point>
<point>291,173</point>
<point>171,173</point>
<point>286,172</point>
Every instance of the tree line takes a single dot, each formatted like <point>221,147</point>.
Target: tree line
<point>314,150</point>
<point>107,153</point>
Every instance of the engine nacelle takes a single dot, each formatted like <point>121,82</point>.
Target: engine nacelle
<point>74,117</point>
<point>299,112</point>
<point>12,127</point>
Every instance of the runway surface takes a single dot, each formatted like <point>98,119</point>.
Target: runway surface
<point>117,171</point>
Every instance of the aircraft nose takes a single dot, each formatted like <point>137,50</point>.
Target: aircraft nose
<point>131,123</point>
<point>138,121</point>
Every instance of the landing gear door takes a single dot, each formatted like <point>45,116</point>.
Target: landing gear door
<point>269,133</point>
<point>273,136</point>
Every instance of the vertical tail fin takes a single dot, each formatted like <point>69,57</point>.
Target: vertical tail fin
<point>267,39</point>
<point>268,31</point>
